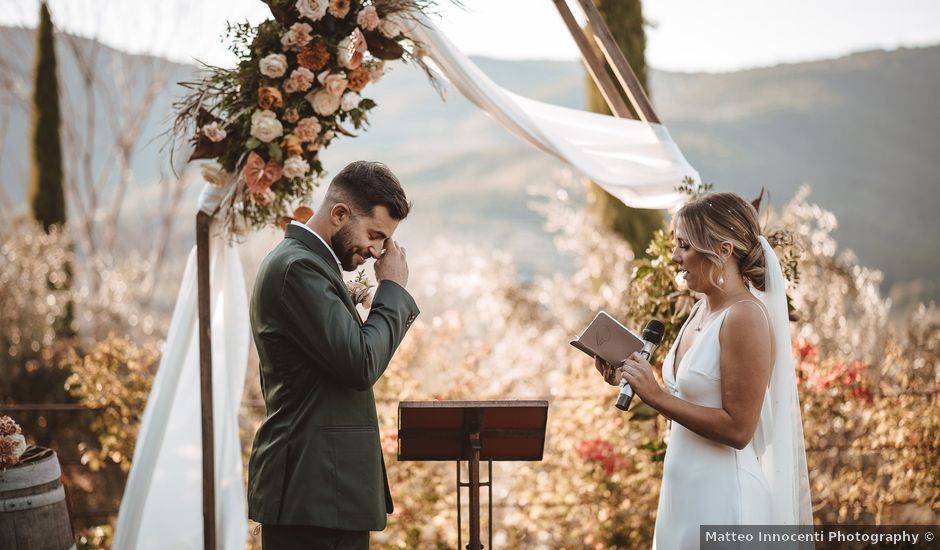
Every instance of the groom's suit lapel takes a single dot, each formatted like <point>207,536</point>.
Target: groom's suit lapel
<point>318,248</point>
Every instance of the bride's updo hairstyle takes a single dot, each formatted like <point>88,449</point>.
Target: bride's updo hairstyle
<point>715,218</point>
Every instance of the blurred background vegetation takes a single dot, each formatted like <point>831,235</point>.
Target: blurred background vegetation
<point>86,291</point>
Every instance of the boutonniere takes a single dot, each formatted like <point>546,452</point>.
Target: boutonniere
<point>360,290</point>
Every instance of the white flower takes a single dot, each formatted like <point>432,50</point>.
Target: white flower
<point>213,132</point>
<point>19,445</point>
<point>295,167</point>
<point>265,126</point>
<point>273,65</point>
<point>313,10</point>
<point>323,102</point>
<point>350,101</point>
<point>213,173</point>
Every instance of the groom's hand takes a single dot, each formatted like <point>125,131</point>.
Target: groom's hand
<point>393,265</point>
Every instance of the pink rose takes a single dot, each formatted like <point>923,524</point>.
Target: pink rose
<point>307,129</point>
<point>7,426</point>
<point>300,80</point>
<point>297,37</point>
<point>368,18</point>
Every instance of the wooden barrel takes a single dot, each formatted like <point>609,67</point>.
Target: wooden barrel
<point>33,513</point>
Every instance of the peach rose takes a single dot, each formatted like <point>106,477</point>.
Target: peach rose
<point>300,80</point>
<point>307,129</point>
<point>368,18</point>
<point>269,97</point>
<point>333,83</point>
<point>292,145</point>
<point>297,37</point>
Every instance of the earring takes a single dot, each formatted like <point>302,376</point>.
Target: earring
<point>721,280</point>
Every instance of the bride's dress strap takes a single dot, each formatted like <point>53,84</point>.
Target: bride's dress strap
<point>757,304</point>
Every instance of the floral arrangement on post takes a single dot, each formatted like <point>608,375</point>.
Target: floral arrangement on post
<point>12,442</point>
<point>295,89</point>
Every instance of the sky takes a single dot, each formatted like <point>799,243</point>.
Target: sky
<point>683,35</point>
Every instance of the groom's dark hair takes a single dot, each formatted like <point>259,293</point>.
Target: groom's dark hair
<point>363,185</point>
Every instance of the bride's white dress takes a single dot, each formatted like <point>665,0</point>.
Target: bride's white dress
<point>705,482</point>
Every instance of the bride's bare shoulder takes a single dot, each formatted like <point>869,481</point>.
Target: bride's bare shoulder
<point>747,321</point>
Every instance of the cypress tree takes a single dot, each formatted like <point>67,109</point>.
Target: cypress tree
<point>624,18</point>
<point>46,196</point>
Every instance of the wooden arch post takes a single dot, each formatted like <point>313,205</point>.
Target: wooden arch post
<point>203,223</point>
<point>629,84</point>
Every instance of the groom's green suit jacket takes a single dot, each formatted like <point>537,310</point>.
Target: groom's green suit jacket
<point>317,457</point>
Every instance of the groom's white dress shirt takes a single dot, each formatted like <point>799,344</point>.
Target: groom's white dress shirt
<point>328,247</point>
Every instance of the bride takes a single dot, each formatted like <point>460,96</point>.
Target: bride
<point>735,454</point>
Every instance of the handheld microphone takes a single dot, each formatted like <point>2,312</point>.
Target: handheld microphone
<point>652,337</point>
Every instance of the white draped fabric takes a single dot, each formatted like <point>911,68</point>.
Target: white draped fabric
<point>778,438</point>
<point>634,161</point>
<point>162,503</point>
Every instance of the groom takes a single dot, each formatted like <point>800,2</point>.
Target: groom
<point>316,477</point>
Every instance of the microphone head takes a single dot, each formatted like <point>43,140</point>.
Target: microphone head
<point>654,331</point>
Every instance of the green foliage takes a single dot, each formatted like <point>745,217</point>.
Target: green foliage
<point>46,196</point>
<point>625,20</point>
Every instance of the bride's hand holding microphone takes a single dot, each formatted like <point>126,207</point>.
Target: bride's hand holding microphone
<point>637,371</point>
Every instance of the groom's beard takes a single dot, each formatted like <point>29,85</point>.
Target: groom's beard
<point>341,242</point>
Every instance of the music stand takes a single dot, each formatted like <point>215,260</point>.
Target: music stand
<point>472,431</point>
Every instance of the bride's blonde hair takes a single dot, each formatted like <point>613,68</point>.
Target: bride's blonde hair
<point>715,218</point>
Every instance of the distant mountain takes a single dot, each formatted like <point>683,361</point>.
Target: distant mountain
<point>863,131</point>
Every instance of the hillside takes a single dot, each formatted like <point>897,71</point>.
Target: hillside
<point>863,131</point>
